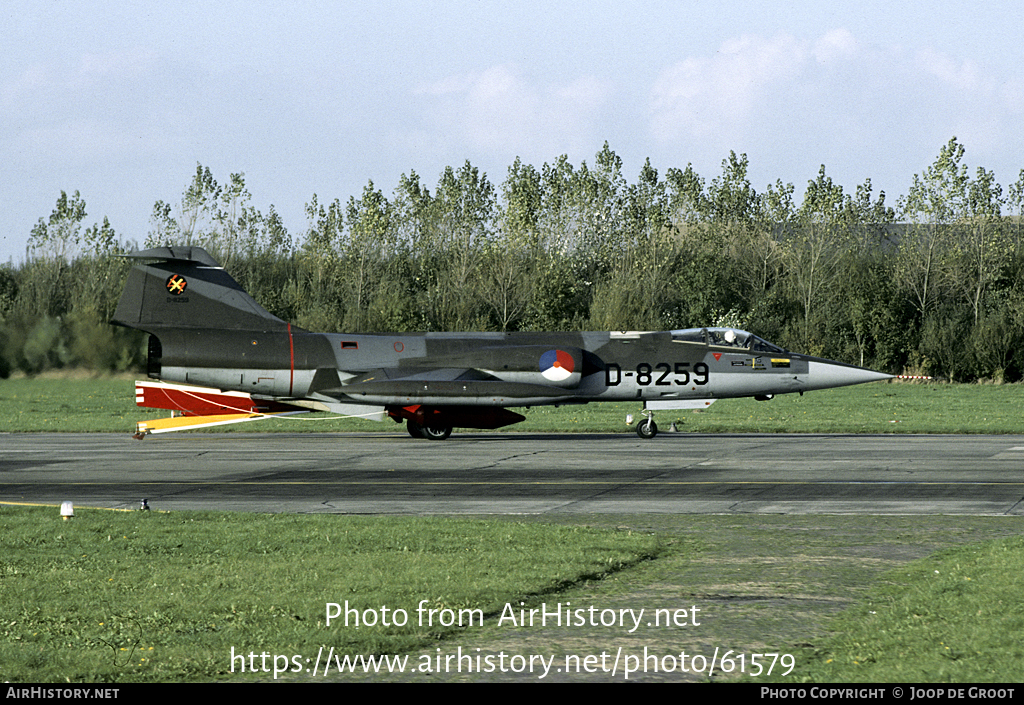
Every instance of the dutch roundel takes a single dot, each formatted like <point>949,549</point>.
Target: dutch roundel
<point>556,365</point>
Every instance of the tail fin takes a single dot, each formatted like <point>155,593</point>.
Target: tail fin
<point>184,287</point>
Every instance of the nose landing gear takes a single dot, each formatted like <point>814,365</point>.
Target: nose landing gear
<point>646,428</point>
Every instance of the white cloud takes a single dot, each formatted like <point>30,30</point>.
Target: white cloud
<point>89,109</point>
<point>834,46</point>
<point>962,76</point>
<point>498,110</point>
<point>701,96</point>
<point>826,91</point>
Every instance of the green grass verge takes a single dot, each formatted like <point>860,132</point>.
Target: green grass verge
<point>108,405</point>
<point>954,617</point>
<point>113,596</point>
<point>138,596</point>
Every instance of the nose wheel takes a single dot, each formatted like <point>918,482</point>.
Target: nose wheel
<point>647,429</point>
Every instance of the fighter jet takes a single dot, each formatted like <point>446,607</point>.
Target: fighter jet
<point>219,357</point>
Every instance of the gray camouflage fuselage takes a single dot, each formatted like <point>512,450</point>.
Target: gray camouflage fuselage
<point>207,331</point>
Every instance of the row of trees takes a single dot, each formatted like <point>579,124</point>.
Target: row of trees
<point>933,284</point>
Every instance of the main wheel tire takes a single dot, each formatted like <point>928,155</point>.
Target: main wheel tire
<point>647,429</point>
<point>436,433</point>
<point>415,430</point>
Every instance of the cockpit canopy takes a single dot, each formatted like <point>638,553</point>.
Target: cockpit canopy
<point>725,338</point>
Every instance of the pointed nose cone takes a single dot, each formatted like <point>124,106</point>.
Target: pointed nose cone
<point>825,374</point>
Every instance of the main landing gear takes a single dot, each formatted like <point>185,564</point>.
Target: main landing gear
<point>431,433</point>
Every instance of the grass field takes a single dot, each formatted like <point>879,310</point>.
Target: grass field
<point>135,596</point>
<point>956,616</point>
<point>108,405</point>
<point>129,596</point>
<point>139,596</point>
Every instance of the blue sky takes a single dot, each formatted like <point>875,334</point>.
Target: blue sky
<point>121,100</point>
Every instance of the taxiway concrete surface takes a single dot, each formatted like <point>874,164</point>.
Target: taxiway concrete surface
<point>510,473</point>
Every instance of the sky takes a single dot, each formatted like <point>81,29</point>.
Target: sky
<point>121,100</point>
